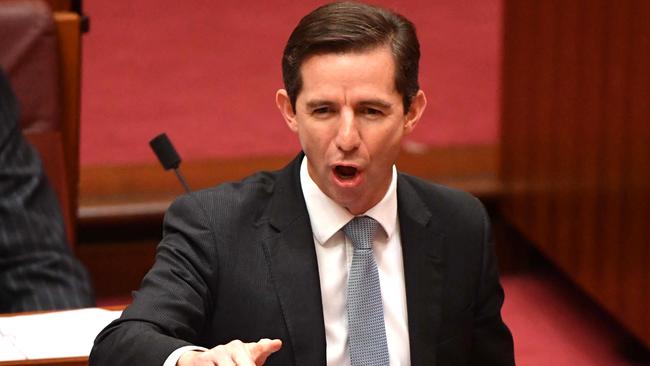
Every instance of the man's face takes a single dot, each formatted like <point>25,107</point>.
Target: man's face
<point>350,122</point>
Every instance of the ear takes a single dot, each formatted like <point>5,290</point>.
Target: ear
<point>284,105</point>
<point>418,104</point>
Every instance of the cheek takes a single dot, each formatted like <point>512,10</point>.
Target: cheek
<point>314,142</point>
<point>384,142</point>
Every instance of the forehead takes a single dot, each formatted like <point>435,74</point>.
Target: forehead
<point>371,70</point>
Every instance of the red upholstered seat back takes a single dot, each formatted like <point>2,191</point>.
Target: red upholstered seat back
<point>30,57</point>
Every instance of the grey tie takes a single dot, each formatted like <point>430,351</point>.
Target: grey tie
<point>366,330</point>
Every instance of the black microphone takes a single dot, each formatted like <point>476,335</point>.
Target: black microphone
<point>169,158</point>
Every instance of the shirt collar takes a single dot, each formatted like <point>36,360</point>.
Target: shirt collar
<point>328,217</point>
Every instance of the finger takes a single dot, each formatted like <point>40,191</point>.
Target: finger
<point>262,349</point>
<point>221,355</point>
<point>239,353</point>
<point>189,358</point>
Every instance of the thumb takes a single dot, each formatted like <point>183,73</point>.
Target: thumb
<point>262,349</point>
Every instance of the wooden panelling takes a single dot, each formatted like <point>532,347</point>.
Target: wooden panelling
<point>114,194</point>
<point>117,268</point>
<point>575,156</point>
<point>69,40</point>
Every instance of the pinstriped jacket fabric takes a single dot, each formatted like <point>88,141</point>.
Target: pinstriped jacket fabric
<point>37,268</point>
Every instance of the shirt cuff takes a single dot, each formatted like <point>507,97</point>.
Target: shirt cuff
<point>173,358</point>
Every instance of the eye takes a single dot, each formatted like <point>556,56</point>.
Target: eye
<point>372,112</point>
<point>322,111</point>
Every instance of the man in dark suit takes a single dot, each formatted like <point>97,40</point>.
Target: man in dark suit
<point>37,268</point>
<point>336,259</point>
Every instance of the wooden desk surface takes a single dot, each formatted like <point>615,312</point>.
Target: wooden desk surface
<point>69,361</point>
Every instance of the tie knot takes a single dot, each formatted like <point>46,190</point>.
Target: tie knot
<point>361,231</point>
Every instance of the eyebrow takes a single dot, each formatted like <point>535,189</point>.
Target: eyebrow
<point>370,102</point>
<point>318,103</point>
<point>376,103</point>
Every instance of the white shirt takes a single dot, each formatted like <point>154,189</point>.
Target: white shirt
<point>334,255</point>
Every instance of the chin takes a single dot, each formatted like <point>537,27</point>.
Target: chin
<point>349,200</point>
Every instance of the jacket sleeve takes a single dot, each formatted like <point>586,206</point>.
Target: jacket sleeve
<point>174,300</point>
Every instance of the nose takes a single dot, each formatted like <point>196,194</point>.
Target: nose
<point>347,137</point>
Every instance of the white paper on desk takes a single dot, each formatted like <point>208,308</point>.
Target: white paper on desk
<point>52,335</point>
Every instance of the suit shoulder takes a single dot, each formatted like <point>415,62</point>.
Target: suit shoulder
<point>441,194</point>
<point>236,199</point>
<point>254,186</point>
<point>450,205</point>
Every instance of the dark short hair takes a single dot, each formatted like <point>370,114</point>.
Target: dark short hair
<point>353,27</point>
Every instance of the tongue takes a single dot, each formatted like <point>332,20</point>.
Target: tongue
<point>346,172</point>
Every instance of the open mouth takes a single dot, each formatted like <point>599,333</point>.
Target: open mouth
<point>345,172</point>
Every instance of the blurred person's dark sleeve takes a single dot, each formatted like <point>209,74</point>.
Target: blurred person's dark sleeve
<point>37,268</point>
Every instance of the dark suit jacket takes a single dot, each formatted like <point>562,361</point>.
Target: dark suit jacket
<point>37,268</point>
<point>238,262</point>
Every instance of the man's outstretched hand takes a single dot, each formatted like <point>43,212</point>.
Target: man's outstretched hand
<point>235,353</point>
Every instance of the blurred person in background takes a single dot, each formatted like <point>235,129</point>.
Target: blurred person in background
<point>38,271</point>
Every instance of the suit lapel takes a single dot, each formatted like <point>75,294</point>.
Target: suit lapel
<point>423,272</point>
<point>294,269</point>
